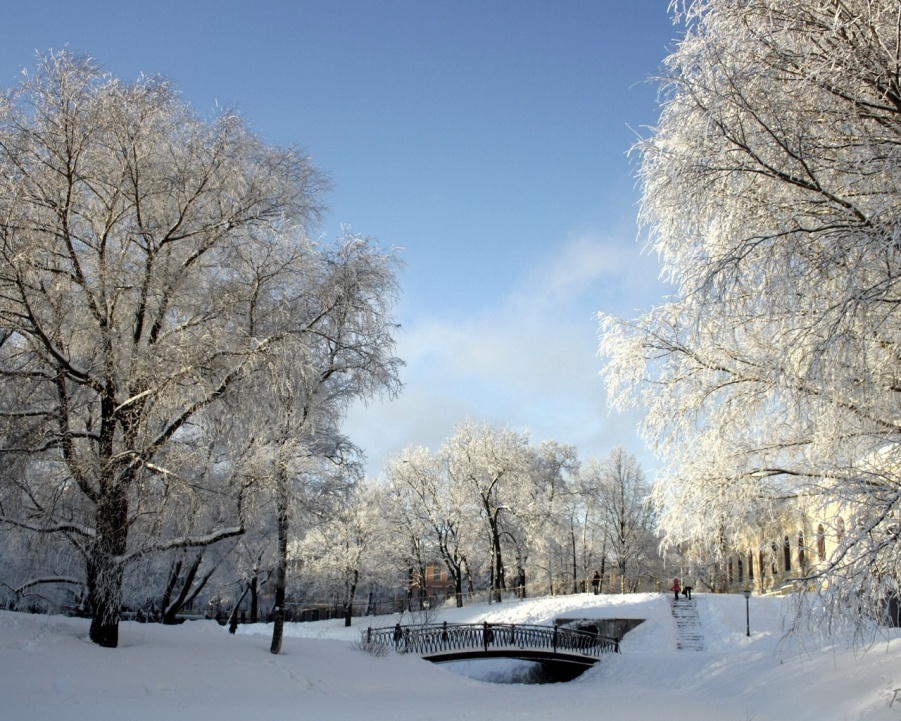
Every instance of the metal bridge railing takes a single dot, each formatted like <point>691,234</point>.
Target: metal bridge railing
<point>436,638</point>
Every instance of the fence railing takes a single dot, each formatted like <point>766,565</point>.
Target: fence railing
<point>436,638</point>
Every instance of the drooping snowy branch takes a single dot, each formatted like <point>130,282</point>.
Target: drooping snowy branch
<point>770,193</point>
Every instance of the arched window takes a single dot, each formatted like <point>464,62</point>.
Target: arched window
<point>731,577</point>
<point>802,557</point>
<point>821,542</point>
<point>761,564</point>
<point>750,565</point>
<point>741,569</point>
<point>773,569</point>
<point>787,554</point>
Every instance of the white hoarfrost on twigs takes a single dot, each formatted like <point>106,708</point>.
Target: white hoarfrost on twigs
<point>198,671</point>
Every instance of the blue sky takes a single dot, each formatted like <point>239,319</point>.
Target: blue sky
<point>486,140</point>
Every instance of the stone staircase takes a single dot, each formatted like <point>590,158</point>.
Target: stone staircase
<point>689,636</point>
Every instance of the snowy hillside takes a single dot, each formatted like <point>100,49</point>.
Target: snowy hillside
<point>200,672</point>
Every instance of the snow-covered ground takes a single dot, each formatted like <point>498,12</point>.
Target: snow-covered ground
<point>198,671</point>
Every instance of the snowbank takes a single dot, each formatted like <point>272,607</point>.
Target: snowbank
<point>199,671</point>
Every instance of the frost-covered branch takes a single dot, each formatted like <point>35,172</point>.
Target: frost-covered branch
<point>770,193</point>
<point>21,588</point>
<point>49,528</point>
<point>201,541</point>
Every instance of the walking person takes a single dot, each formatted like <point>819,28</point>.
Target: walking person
<point>676,588</point>
<point>596,582</point>
<point>687,585</point>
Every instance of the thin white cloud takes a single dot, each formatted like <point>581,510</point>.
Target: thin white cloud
<point>530,362</point>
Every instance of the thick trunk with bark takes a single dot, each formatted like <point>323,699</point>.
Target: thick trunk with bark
<point>105,569</point>
<point>254,599</point>
<point>497,571</point>
<point>458,590</point>
<point>281,570</point>
<point>454,564</point>
<point>349,603</point>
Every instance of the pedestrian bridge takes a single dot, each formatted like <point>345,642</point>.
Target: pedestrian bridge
<point>564,652</point>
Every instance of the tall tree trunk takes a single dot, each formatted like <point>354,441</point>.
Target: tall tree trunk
<point>423,591</point>
<point>497,569</point>
<point>572,534</point>
<point>456,573</point>
<point>254,599</point>
<point>603,560</point>
<point>454,564</point>
<point>411,581</point>
<point>349,603</point>
<point>281,568</point>
<point>104,566</point>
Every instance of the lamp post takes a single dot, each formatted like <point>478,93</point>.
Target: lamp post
<point>747,594</point>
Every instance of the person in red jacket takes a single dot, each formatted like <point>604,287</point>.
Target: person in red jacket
<point>675,588</point>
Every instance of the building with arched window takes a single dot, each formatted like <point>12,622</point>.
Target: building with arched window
<point>782,555</point>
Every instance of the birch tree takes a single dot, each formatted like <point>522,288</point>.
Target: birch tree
<point>626,514</point>
<point>491,466</point>
<point>342,553</point>
<point>125,224</point>
<point>425,504</point>
<point>548,511</point>
<point>770,193</point>
<point>340,351</point>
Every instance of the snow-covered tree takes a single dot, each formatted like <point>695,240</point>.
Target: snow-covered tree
<point>339,351</point>
<point>626,516</point>
<point>588,525</point>
<point>549,517</point>
<point>770,190</point>
<point>488,500</point>
<point>154,266</point>
<point>492,467</point>
<point>342,554</point>
<point>423,502</point>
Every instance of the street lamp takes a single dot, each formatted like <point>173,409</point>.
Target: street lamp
<point>747,594</point>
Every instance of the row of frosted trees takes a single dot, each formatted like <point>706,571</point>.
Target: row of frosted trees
<point>494,513</point>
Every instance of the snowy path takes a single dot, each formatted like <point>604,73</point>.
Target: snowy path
<point>689,635</point>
